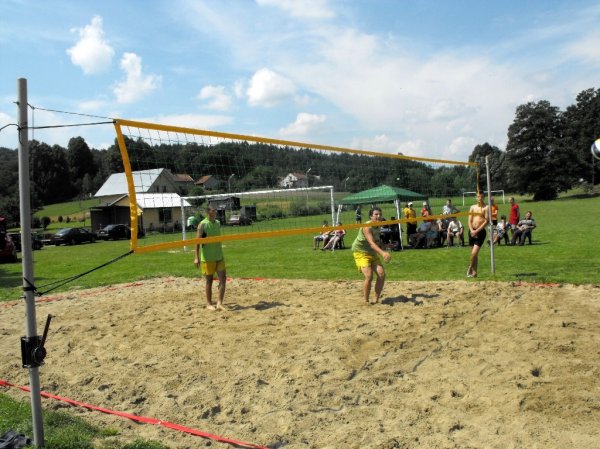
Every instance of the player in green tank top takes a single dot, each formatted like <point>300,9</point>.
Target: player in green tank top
<point>366,250</point>
<point>211,258</point>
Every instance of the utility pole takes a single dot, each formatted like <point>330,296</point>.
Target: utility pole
<point>32,348</point>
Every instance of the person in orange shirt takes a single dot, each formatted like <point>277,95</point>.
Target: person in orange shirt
<point>494,212</point>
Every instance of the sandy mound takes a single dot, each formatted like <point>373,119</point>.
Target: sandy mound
<point>304,364</point>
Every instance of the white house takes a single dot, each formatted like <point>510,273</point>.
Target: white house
<point>158,180</point>
<point>157,200</point>
<point>294,181</point>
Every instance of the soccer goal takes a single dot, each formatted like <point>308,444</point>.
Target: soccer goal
<point>467,194</point>
<point>240,209</point>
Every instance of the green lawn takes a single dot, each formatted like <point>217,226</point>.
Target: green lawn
<point>565,250</point>
<point>63,431</point>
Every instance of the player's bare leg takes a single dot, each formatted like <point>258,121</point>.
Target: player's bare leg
<point>379,282</point>
<point>368,273</point>
<point>208,289</point>
<point>222,282</point>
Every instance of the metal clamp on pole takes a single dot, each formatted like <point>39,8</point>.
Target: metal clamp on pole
<point>33,351</point>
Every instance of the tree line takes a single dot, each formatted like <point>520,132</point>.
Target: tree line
<point>547,152</point>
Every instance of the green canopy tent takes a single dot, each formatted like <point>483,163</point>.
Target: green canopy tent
<point>382,194</point>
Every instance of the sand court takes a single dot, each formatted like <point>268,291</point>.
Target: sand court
<point>306,364</point>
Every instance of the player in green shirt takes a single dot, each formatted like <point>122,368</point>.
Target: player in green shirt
<point>211,259</point>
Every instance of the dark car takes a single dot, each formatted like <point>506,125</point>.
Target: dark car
<point>240,220</point>
<point>115,232</point>
<point>36,241</point>
<point>72,236</point>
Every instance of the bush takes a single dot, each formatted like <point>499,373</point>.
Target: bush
<point>299,208</point>
<point>269,211</point>
<point>36,222</point>
<point>46,222</point>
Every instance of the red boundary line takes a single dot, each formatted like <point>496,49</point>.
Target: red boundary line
<point>142,419</point>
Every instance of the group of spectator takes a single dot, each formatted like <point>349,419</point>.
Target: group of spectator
<point>434,233</point>
<point>431,233</point>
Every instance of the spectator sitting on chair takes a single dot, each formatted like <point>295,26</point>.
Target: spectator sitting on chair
<point>337,237</point>
<point>523,231</point>
<point>501,231</point>
<point>418,239</point>
<point>455,229</point>
<point>447,210</point>
<point>323,237</point>
<point>395,234</point>
<point>431,231</point>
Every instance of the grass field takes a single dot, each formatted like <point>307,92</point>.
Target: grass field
<point>564,251</point>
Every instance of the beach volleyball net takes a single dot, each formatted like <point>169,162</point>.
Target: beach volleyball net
<point>263,187</point>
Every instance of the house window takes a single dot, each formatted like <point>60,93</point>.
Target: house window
<point>164,215</point>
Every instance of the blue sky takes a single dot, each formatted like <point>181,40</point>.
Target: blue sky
<point>425,78</point>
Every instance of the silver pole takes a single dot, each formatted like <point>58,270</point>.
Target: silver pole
<point>183,222</point>
<point>397,203</point>
<point>491,225</point>
<point>27,259</point>
<point>332,199</point>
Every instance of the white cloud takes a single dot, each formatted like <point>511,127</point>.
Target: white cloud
<point>198,121</point>
<point>425,103</point>
<point>92,105</point>
<point>586,49</point>
<point>136,85</point>
<point>239,88</point>
<point>8,136</point>
<point>381,143</point>
<point>216,97</point>
<point>91,52</point>
<point>305,124</point>
<point>303,9</point>
<point>462,145</point>
<point>268,88</point>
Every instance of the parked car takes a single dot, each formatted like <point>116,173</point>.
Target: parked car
<point>241,220</point>
<point>72,236</point>
<point>114,232</point>
<point>36,241</point>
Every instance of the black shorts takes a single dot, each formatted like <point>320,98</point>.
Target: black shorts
<point>479,238</point>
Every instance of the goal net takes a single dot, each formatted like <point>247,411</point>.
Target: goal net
<point>264,187</point>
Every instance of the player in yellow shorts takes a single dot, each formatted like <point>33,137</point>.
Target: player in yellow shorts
<point>366,250</point>
<point>211,268</point>
<point>211,259</point>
